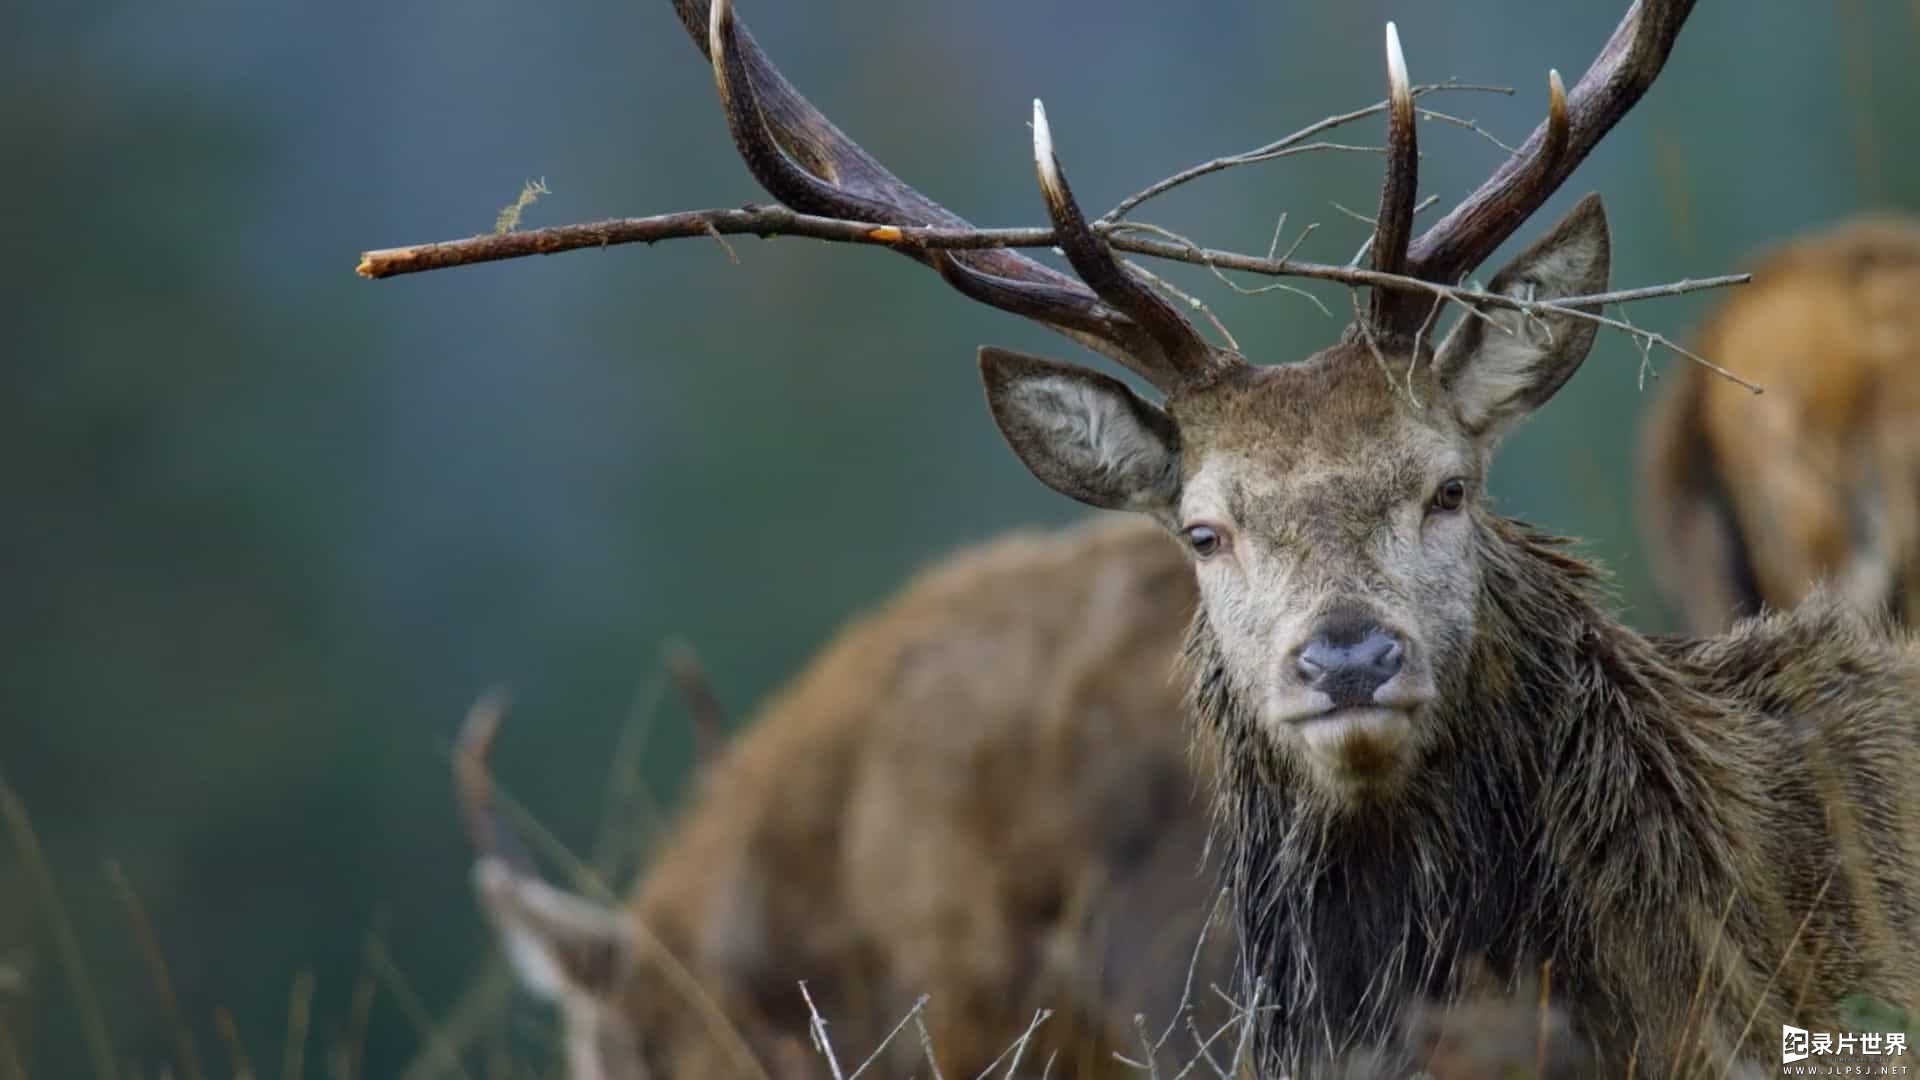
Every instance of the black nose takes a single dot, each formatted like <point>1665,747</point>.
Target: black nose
<point>1349,659</point>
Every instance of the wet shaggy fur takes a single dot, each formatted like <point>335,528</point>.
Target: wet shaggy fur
<point>1652,816</point>
<point>1699,840</point>
<point>1748,502</point>
<point>981,792</point>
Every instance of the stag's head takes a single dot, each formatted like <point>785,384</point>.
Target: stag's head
<point>1333,507</point>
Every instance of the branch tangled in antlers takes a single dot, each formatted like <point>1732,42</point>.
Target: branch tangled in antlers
<point>832,190</point>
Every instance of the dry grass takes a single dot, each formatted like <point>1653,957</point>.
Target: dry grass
<point>1500,1034</point>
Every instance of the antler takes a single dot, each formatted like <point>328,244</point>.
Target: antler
<point>1575,124</point>
<point>833,190</point>
<point>1393,227</point>
<point>808,164</point>
<point>1096,264</point>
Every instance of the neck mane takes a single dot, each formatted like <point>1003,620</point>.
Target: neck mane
<point>1560,740</point>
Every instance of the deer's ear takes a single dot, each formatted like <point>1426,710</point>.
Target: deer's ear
<point>1500,365</point>
<point>559,944</point>
<point>1082,433</point>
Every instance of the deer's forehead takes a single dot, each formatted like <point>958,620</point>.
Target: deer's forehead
<point>1294,494</point>
<point>1310,440</point>
<point>1326,406</point>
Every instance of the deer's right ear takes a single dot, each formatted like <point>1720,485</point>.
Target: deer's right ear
<point>1082,433</point>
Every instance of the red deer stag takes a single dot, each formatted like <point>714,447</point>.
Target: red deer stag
<point>1433,742</point>
<point>981,792</point>
<point>1748,503</point>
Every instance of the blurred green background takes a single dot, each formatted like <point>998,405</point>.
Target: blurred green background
<point>269,528</point>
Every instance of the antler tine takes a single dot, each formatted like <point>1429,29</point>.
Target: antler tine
<point>771,123</point>
<point>1186,354</point>
<point>807,163</point>
<point>1575,123</point>
<point>1391,310</point>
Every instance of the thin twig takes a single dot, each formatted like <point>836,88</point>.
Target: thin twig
<point>1279,226</point>
<point>1193,965</point>
<point>1187,298</point>
<point>1018,1046</point>
<point>1280,286</point>
<point>93,1022</point>
<point>1026,1037</point>
<point>1246,1033</point>
<point>732,255</point>
<point>1364,219</point>
<point>926,1044</point>
<point>817,1030</point>
<point>1278,148</point>
<point>1146,1043</point>
<point>1461,121</point>
<point>1227,999</point>
<point>1366,335</point>
<point>1297,241</point>
<point>1532,307</point>
<point>897,1028</point>
<point>1369,221</point>
<point>1646,356</point>
<point>1203,1051</point>
<point>1413,355</point>
<point>1206,1045</point>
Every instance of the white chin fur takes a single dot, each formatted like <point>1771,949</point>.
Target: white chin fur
<point>1359,749</point>
<point>1386,727</point>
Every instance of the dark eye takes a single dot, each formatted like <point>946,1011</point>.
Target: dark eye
<point>1451,495</point>
<point>1204,540</point>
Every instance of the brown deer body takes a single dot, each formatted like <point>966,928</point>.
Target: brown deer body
<point>980,792</point>
<point>1750,502</point>
<point>1434,745</point>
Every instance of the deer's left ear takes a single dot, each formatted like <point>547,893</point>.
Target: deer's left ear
<point>1498,373</point>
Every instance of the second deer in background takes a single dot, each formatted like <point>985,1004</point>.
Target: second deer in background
<point>980,792</point>
<point>1750,501</point>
